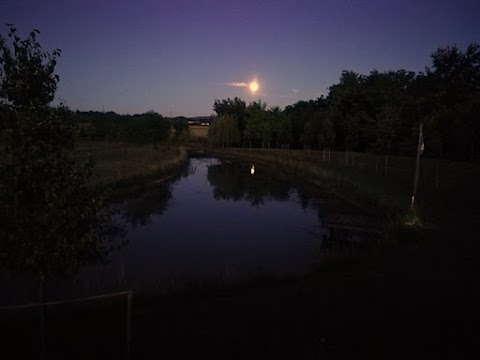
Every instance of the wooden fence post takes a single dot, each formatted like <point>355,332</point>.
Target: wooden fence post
<point>43,320</point>
<point>386,165</point>
<point>417,167</point>
<point>129,324</point>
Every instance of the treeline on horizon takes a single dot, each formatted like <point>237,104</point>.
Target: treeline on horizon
<point>149,127</point>
<point>379,113</point>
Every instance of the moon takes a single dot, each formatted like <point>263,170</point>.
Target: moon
<point>253,86</point>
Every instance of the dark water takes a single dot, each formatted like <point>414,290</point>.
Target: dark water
<point>220,222</point>
<point>216,221</point>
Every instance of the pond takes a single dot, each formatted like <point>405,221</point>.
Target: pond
<point>222,221</point>
<point>228,221</point>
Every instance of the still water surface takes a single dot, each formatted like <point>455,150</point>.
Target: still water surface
<point>219,221</point>
<point>216,221</point>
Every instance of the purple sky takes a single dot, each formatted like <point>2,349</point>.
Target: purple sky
<point>176,57</point>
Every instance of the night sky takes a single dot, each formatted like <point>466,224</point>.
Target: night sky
<point>176,57</point>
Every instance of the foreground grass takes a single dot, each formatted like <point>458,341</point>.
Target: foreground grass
<point>396,304</point>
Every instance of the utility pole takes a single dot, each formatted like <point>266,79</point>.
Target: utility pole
<point>417,167</point>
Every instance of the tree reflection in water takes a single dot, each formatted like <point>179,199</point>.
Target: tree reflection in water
<point>234,182</point>
<point>154,200</point>
<point>280,212</point>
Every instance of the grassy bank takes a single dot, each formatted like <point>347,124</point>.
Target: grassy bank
<point>120,166</point>
<point>384,184</point>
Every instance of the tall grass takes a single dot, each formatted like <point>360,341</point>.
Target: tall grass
<point>117,163</point>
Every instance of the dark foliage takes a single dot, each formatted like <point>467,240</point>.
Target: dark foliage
<point>379,112</point>
<point>149,127</point>
<point>50,222</point>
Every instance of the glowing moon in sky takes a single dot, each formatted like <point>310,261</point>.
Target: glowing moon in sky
<point>253,86</point>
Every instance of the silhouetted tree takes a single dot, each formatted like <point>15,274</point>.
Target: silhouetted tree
<point>235,109</point>
<point>180,125</point>
<point>224,131</point>
<point>51,223</point>
<point>455,88</point>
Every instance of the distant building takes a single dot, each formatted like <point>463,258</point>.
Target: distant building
<point>200,120</point>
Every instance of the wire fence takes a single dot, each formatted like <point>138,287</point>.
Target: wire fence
<point>60,302</point>
<point>443,184</point>
<point>50,329</point>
